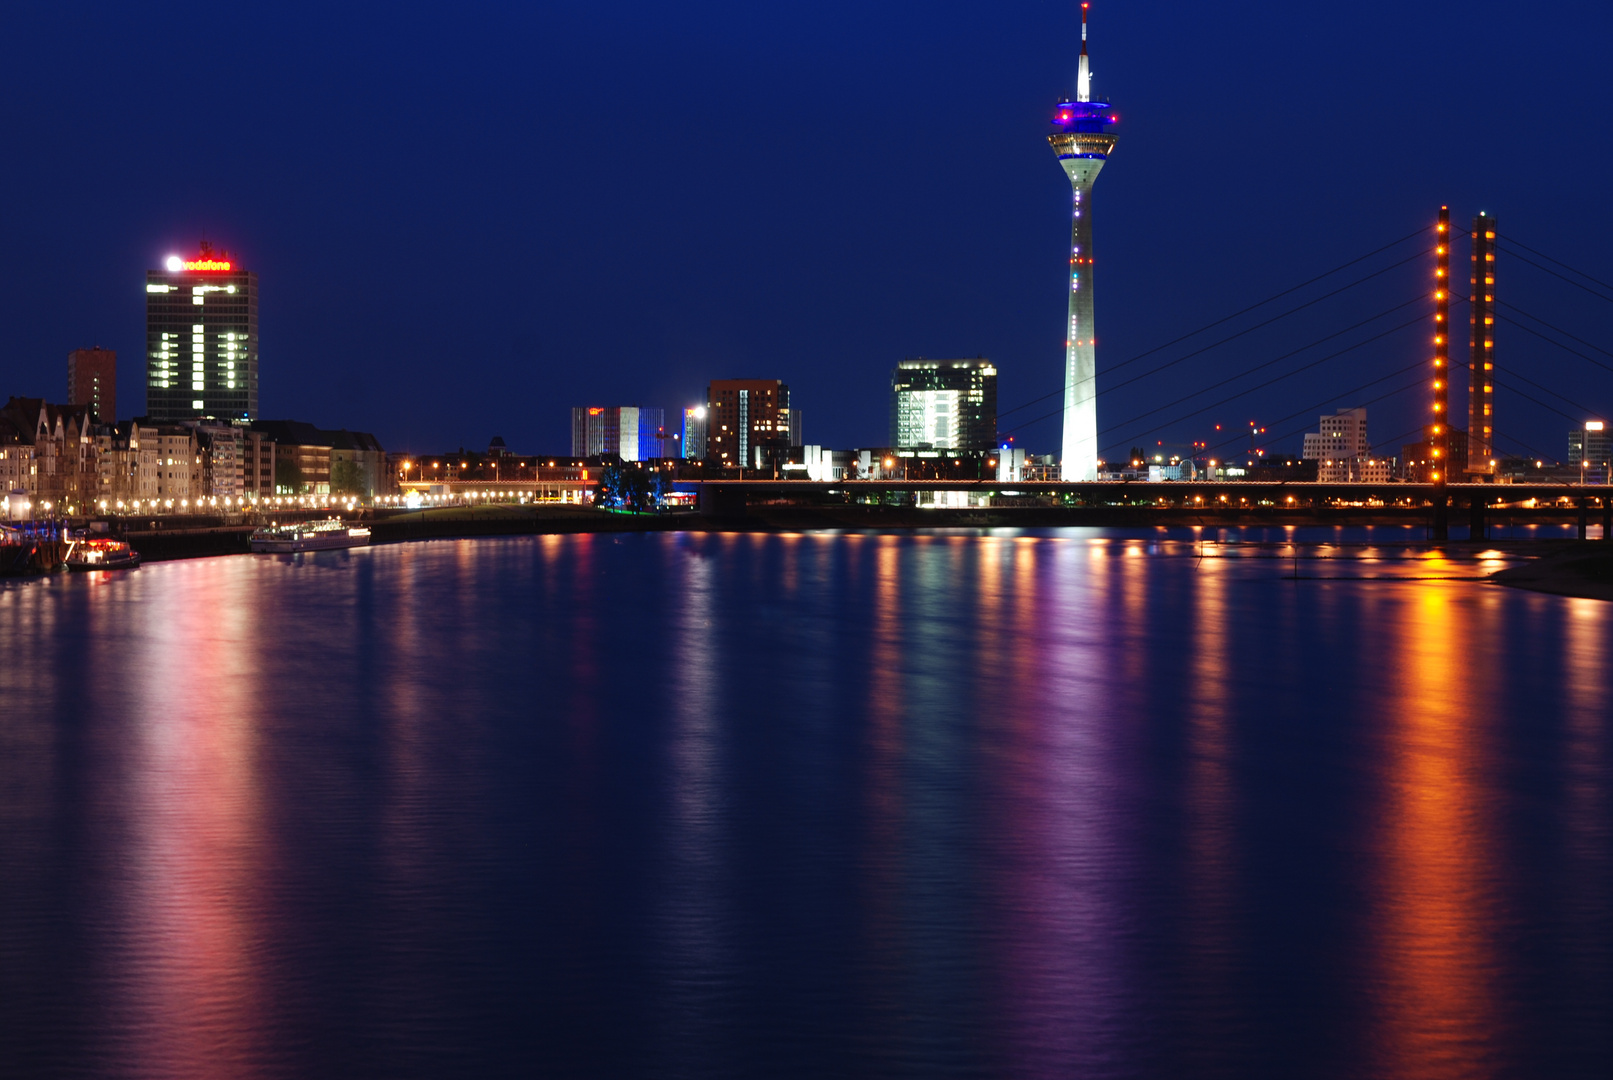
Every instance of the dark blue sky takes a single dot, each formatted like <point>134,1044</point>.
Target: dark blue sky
<point>467,218</point>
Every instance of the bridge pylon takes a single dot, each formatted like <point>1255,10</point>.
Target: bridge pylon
<point>1439,456</point>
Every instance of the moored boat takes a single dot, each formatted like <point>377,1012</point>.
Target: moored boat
<point>309,536</point>
<point>99,553</point>
<point>33,548</point>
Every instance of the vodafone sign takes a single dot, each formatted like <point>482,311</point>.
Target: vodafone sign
<point>175,264</point>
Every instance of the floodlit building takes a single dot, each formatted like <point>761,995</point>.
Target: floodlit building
<point>630,432</point>
<point>175,457</point>
<point>821,464</point>
<point>1010,465</point>
<point>92,379</point>
<point>1356,470</point>
<point>127,464</point>
<point>944,404</point>
<point>221,449</point>
<point>749,423</point>
<point>1343,435</point>
<point>1083,141</point>
<point>257,463</point>
<point>1590,450</point>
<point>48,452</point>
<point>1343,452</point>
<point>201,339</point>
<point>357,464</point>
<point>311,461</point>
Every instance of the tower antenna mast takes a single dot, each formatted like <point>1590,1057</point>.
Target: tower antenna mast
<point>1083,78</point>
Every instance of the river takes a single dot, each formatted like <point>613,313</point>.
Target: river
<point>974,803</point>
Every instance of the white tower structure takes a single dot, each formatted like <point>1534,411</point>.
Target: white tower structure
<point>1083,142</point>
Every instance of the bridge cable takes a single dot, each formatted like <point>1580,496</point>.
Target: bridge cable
<point>1514,439</point>
<point>1335,397</point>
<point>1560,345</point>
<point>1055,412</point>
<point>1555,274</point>
<point>1537,401</point>
<point>1269,363</point>
<point>1270,382</point>
<point>1207,348</point>
<point>1508,239</point>
<point>1546,389</point>
<point>1245,311</point>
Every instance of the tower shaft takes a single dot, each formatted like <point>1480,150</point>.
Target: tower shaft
<point>1080,449</point>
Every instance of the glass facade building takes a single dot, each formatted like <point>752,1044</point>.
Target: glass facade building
<point>626,431</point>
<point>694,432</point>
<point>1590,449</point>
<point>944,404</point>
<point>201,339</point>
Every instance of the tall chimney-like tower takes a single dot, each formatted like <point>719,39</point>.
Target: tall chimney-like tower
<point>1481,366</point>
<point>1083,142</point>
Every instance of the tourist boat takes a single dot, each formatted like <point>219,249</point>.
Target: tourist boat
<point>309,536</point>
<point>100,553</point>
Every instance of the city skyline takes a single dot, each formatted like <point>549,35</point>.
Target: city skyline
<point>362,313</point>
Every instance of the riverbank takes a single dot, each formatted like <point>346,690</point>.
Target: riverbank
<point>168,540</point>
<point>1570,571</point>
<point>1560,566</point>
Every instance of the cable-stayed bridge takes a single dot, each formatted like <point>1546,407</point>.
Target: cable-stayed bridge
<point>1380,329</point>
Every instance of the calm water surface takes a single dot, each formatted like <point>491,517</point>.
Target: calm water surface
<point>988,804</point>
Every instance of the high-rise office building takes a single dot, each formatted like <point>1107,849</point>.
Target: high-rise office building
<point>749,423</point>
<point>1083,142</point>
<point>627,431</point>
<point>1590,449</point>
<point>944,404</point>
<point>694,433</point>
<point>1481,365</point>
<point>92,379</point>
<point>201,338</point>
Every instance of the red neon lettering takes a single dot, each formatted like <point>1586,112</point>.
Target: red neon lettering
<point>206,264</point>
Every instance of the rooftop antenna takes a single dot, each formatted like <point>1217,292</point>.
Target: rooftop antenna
<point>1083,78</point>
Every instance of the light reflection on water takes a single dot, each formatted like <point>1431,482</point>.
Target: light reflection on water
<point>1436,899</point>
<point>973,803</point>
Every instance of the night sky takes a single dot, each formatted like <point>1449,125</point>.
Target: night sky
<point>467,218</point>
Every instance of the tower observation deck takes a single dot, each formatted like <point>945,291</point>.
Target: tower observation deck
<point>1083,141</point>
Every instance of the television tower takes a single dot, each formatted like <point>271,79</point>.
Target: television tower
<point>1082,140</point>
